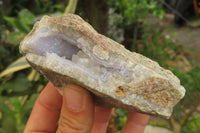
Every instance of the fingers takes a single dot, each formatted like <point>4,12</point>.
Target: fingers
<point>46,111</point>
<point>136,123</point>
<point>77,111</point>
<point>101,119</point>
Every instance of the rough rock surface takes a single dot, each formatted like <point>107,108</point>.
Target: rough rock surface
<point>67,49</point>
<point>153,129</point>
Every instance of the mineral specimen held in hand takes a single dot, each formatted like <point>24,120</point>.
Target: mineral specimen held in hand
<point>67,49</point>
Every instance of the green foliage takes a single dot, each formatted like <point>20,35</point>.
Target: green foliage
<point>133,10</point>
<point>22,24</point>
<point>15,37</point>
<point>155,50</point>
<point>192,125</point>
<point>47,6</point>
<point>38,7</point>
<point>190,80</point>
<point>14,112</point>
<point>26,19</point>
<point>9,124</point>
<point>44,6</point>
<point>121,118</point>
<point>17,84</point>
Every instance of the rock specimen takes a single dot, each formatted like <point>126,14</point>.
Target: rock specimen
<point>67,49</point>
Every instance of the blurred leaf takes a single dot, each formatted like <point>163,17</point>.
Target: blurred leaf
<point>3,107</point>
<point>15,37</point>
<point>16,104</point>
<point>121,118</point>
<point>122,122</point>
<point>9,124</point>
<point>121,112</point>
<point>15,23</point>
<point>26,19</point>
<point>177,110</point>
<point>71,7</point>
<point>59,7</point>
<point>8,119</point>
<point>12,21</point>
<point>190,80</point>
<point>23,22</point>
<point>134,11</point>
<point>192,125</point>
<point>33,76</point>
<point>29,104</point>
<point>20,83</point>
<point>18,65</point>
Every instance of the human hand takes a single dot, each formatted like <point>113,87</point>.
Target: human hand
<point>75,112</point>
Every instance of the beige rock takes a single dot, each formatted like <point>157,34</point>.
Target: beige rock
<point>153,129</point>
<point>67,49</point>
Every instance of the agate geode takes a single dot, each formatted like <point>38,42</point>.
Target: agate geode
<point>67,49</point>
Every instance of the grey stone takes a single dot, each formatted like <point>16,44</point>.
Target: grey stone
<point>67,49</point>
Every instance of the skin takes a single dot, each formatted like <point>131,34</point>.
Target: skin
<point>75,112</point>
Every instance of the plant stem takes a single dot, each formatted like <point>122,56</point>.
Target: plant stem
<point>71,7</point>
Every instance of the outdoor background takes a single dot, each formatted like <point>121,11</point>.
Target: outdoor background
<point>167,31</point>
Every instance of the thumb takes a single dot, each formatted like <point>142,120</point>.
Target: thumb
<point>77,111</point>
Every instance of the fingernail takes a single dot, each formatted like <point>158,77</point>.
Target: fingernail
<point>74,100</point>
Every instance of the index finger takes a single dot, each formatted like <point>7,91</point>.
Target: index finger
<point>45,112</point>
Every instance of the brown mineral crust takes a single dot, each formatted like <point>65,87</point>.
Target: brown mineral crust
<point>155,90</point>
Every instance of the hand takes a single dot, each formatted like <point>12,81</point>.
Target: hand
<point>76,113</point>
